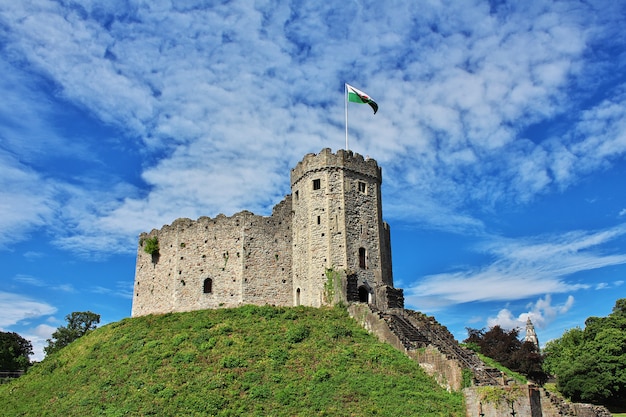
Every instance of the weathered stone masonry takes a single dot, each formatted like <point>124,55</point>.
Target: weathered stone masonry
<point>332,221</point>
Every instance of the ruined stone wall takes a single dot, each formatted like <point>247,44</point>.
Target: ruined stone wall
<point>447,372</point>
<point>267,258</point>
<point>246,257</point>
<point>514,399</point>
<point>524,401</point>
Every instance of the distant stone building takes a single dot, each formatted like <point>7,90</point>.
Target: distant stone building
<point>531,336</point>
<point>325,242</point>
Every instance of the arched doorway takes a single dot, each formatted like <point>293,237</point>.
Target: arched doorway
<point>208,286</point>
<point>298,297</point>
<point>364,294</point>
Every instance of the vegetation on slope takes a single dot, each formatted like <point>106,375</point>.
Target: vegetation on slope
<point>590,363</point>
<point>251,360</point>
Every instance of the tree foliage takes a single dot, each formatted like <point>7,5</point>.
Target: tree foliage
<point>590,363</point>
<point>14,352</point>
<point>506,348</point>
<point>79,323</point>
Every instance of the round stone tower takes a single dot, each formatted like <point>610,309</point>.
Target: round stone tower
<point>338,232</point>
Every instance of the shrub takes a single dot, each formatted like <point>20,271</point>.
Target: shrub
<point>297,334</point>
<point>151,245</point>
<point>233,362</point>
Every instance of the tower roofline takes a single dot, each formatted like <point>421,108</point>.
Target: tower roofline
<point>343,159</point>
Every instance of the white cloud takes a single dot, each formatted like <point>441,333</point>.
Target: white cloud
<point>223,100</point>
<point>522,268</point>
<point>541,313</point>
<point>38,337</point>
<point>16,183</point>
<point>123,289</point>
<point>16,307</point>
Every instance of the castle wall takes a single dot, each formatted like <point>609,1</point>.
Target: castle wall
<point>332,220</point>
<point>246,257</point>
<point>267,258</point>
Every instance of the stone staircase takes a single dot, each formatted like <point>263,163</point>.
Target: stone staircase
<point>410,337</point>
<point>411,331</point>
<point>416,330</point>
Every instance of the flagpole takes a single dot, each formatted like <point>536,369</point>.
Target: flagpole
<point>345,88</point>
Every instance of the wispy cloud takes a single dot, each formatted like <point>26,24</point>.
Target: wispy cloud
<point>221,101</point>
<point>522,268</point>
<point>123,289</point>
<point>29,280</point>
<point>16,307</point>
<point>38,282</point>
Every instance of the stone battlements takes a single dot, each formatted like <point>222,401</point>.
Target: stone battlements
<point>345,160</point>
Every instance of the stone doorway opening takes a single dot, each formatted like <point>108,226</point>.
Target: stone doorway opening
<point>364,294</point>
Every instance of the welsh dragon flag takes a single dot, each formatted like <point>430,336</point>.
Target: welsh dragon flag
<point>358,96</point>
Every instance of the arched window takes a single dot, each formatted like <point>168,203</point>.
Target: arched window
<point>208,286</point>
<point>298,297</point>
<point>362,263</point>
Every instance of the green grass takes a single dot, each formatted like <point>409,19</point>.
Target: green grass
<point>250,361</point>
<point>511,374</point>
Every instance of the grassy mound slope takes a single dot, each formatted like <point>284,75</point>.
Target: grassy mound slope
<point>257,361</point>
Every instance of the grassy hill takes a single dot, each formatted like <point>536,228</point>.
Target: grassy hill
<point>252,361</point>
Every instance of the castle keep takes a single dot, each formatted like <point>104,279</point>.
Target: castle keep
<point>325,242</point>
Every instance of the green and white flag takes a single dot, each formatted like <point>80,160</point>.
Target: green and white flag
<point>358,96</point>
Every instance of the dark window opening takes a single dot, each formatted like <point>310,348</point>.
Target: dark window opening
<point>297,195</point>
<point>362,264</point>
<point>319,220</point>
<point>364,295</point>
<point>208,286</point>
<point>298,297</point>
<point>317,184</point>
<point>362,187</point>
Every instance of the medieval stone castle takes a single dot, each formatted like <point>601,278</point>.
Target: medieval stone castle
<point>324,243</point>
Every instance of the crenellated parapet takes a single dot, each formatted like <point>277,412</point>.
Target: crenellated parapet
<point>327,160</point>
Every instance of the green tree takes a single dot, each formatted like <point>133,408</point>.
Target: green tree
<point>14,352</point>
<point>590,364</point>
<point>563,350</point>
<point>79,323</point>
<point>529,361</point>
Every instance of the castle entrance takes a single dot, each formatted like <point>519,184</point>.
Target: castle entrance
<point>364,294</point>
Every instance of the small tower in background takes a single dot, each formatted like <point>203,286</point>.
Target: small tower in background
<point>531,336</point>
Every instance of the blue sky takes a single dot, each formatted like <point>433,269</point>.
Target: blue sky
<point>501,133</point>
